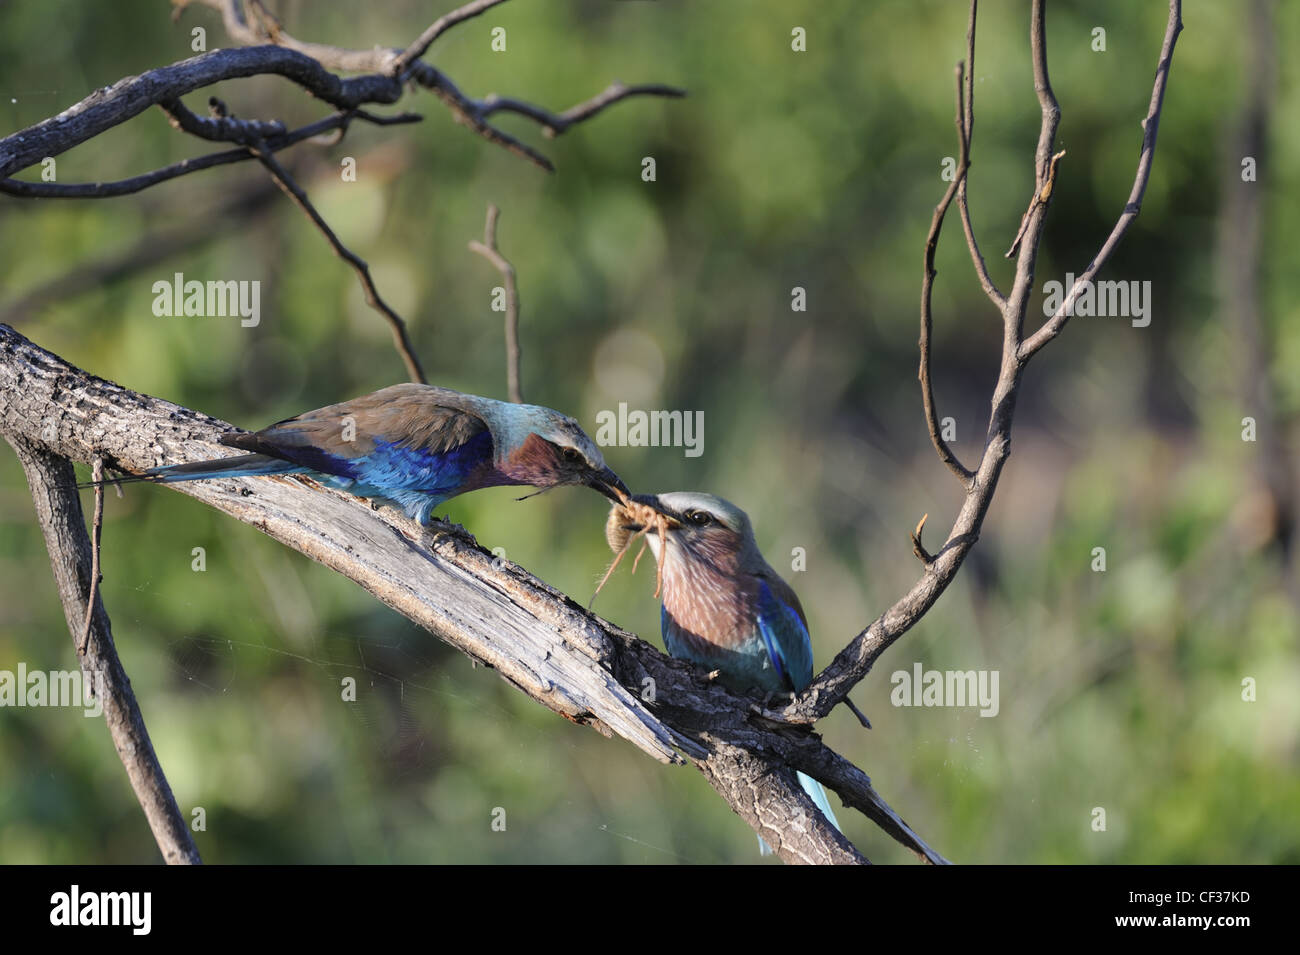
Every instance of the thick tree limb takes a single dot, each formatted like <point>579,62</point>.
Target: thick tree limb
<point>58,511</point>
<point>495,612</point>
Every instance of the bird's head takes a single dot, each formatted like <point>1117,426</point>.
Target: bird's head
<point>546,449</point>
<point>691,524</point>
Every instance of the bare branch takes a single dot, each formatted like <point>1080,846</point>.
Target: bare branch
<point>127,98</point>
<point>927,320</point>
<point>473,113</point>
<point>965,131</point>
<point>470,112</point>
<point>1150,126</point>
<point>103,190</point>
<point>495,612</point>
<point>401,339</point>
<point>832,686</point>
<point>438,28</point>
<point>97,475</point>
<point>488,249</point>
<point>221,127</point>
<point>58,511</point>
<point>554,124</point>
<point>855,788</point>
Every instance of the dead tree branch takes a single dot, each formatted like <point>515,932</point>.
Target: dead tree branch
<point>966,131</point>
<point>308,66</point>
<point>488,249</point>
<point>339,123</point>
<point>832,686</point>
<point>406,65</point>
<point>495,612</point>
<point>76,565</point>
<point>401,338</point>
<point>1150,126</point>
<point>927,320</point>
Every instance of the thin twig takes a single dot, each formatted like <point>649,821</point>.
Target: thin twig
<point>221,127</point>
<point>73,559</point>
<point>438,28</point>
<point>97,526</point>
<point>401,339</point>
<point>965,131</point>
<point>1150,126</point>
<point>468,111</point>
<point>832,686</point>
<point>474,112</point>
<point>1040,198</point>
<point>554,124</point>
<point>964,474</point>
<point>488,249</point>
<point>923,555</point>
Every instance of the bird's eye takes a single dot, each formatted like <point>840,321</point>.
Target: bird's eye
<point>573,455</point>
<point>699,518</point>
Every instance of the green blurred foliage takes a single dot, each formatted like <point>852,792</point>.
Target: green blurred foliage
<point>1119,690</point>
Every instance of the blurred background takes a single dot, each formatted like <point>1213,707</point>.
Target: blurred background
<point>819,170</point>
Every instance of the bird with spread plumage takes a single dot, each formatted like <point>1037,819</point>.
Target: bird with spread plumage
<point>723,606</point>
<point>413,446</point>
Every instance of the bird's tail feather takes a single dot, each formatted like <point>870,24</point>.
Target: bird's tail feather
<point>241,465</point>
<point>814,789</point>
<point>818,795</point>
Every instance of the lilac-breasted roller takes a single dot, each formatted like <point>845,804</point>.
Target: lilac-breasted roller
<point>414,446</point>
<point>724,607</point>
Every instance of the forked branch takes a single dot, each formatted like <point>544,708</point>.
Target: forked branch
<point>855,661</point>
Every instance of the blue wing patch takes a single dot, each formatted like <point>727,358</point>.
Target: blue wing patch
<point>785,637</point>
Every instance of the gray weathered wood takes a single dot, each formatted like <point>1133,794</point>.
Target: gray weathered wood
<point>58,511</point>
<point>553,650</point>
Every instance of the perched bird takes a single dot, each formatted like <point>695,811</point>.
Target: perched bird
<point>724,607</point>
<point>414,446</point>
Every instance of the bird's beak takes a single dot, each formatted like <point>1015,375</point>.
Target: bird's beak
<point>652,501</point>
<point>609,484</point>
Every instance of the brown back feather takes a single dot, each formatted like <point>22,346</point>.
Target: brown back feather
<point>417,416</point>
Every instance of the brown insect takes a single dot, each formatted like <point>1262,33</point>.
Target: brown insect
<point>625,515</point>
